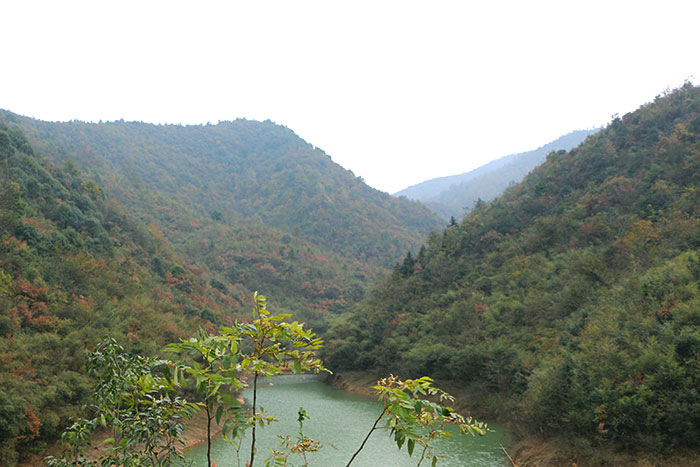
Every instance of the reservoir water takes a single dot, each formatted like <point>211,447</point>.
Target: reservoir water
<point>340,421</point>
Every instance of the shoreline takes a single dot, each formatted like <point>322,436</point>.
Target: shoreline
<point>195,434</point>
<point>359,382</point>
<point>528,451</point>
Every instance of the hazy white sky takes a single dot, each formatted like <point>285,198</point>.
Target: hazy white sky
<point>398,92</point>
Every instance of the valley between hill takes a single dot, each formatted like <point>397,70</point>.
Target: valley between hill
<point>569,306</point>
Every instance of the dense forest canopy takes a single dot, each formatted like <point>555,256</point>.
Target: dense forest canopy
<point>145,232</point>
<point>454,195</point>
<point>249,202</point>
<point>240,173</point>
<point>572,300</point>
<point>76,266</point>
<point>574,296</point>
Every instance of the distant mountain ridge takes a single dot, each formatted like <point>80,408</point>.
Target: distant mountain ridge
<point>450,196</point>
<point>250,172</point>
<point>250,203</point>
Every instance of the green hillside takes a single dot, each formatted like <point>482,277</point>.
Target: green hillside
<point>249,203</point>
<point>454,195</point>
<point>145,233</point>
<point>238,173</point>
<point>572,302</point>
<point>75,267</point>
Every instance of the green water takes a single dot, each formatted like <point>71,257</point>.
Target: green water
<point>340,421</point>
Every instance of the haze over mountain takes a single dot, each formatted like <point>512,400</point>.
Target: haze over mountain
<point>571,302</point>
<point>454,195</point>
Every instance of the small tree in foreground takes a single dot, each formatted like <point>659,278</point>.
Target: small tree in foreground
<point>214,371</point>
<point>412,419</point>
<point>137,405</point>
<point>301,446</point>
<point>267,346</point>
<point>146,418</point>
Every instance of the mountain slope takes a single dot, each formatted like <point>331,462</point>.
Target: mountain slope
<point>249,203</point>
<point>75,266</point>
<point>450,196</point>
<point>241,173</point>
<point>185,248</point>
<point>572,299</point>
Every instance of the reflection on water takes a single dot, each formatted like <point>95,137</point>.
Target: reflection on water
<point>340,421</point>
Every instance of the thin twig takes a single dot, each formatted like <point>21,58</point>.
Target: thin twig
<point>255,400</point>
<point>508,456</point>
<point>422,456</point>
<point>366,437</point>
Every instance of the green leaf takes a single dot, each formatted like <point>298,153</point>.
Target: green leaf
<point>411,444</point>
<point>434,461</point>
<point>297,366</point>
<point>219,413</point>
<point>400,438</point>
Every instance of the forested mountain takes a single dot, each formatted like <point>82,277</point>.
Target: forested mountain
<point>249,202</point>
<point>74,267</point>
<point>573,299</point>
<point>145,233</point>
<point>454,195</point>
<point>239,173</point>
